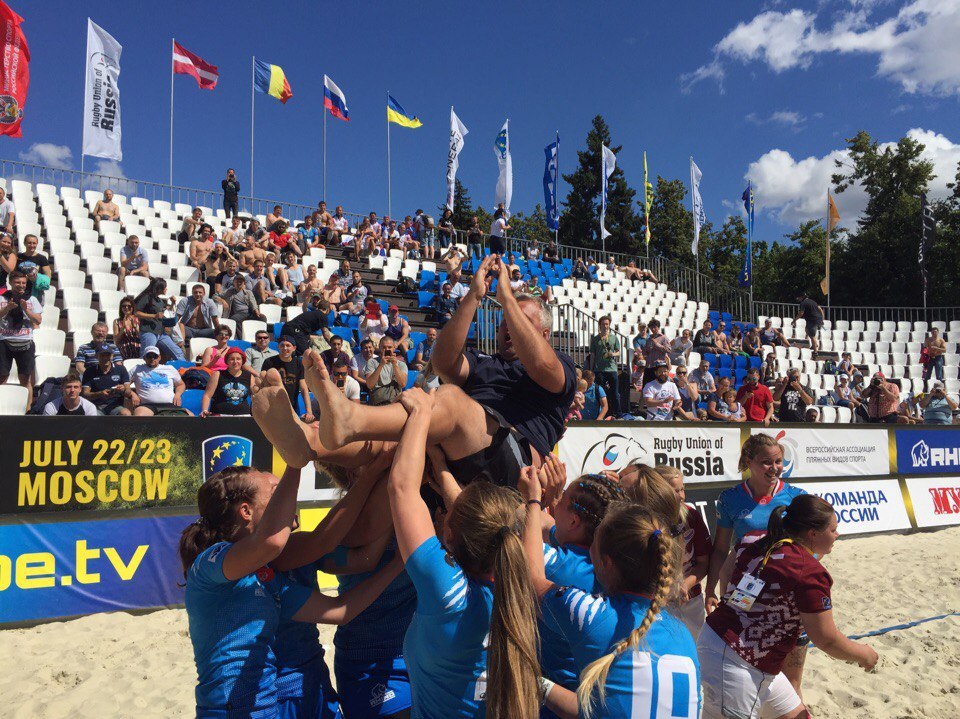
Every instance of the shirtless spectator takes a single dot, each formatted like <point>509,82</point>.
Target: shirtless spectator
<point>310,285</point>
<point>133,259</point>
<point>332,292</point>
<point>453,258</point>
<point>201,247</point>
<point>337,227</point>
<point>251,254</point>
<point>321,218</point>
<point>936,349</point>
<point>723,342</point>
<point>634,273</point>
<point>365,240</point>
<point>106,210</point>
<point>274,217</point>
<point>7,212</point>
<point>191,226</point>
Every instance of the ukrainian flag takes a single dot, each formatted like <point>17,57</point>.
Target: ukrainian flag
<point>396,113</point>
<point>271,80</point>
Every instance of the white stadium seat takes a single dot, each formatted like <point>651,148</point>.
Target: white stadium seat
<point>13,399</point>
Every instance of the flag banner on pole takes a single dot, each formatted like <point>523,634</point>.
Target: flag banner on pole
<point>271,80</point>
<point>833,217</point>
<point>457,133</point>
<point>334,99</point>
<point>647,199</point>
<point>397,115</point>
<point>608,165</point>
<point>186,63</point>
<point>927,235</point>
<point>16,73</point>
<point>550,177</point>
<point>101,102</point>
<point>746,274</point>
<point>501,148</point>
<point>699,217</point>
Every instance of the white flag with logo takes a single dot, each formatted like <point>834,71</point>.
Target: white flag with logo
<point>609,164</point>
<point>101,102</point>
<point>457,133</point>
<point>699,218</point>
<point>501,147</point>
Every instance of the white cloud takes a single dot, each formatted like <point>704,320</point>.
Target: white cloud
<point>110,168</point>
<point>789,118</point>
<point>916,48</point>
<point>794,190</point>
<point>46,153</point>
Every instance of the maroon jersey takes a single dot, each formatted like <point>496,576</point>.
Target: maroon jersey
<point>696,543</point>
<point>795,582</point>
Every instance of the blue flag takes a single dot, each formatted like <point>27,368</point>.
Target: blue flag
<point>550,182</point>
<point>746,274</point>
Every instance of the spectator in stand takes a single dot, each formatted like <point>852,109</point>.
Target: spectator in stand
<point>751,343</point>
<point>812,313</point>
<point>640,340</point>
<point>290,276</point>
<point>717,410</point>
<point>200,247</point>
<point>398,329</point>
<point>273,219</point>
<point>133,259</point>
<point>498,233</point>
<point>358,363</point>
<point>936,349</point>
<point>8,212</point>
<point>234,236</point>
<point>105,210</point>
<point>20,315</point>
<point>702,378</point>
<point>770,371</point>
<point>386,375</point>
<point>445,304</point>
<point>286,370</point>
<point>260,351</point>
<point>250,254</point>
<point>229,390</point>
<point>938,407</point>
<point>310,286</point>
<point>33,263</point>
<point>812,416</point>
<point>908,411</point>
<point>458,290</point>
<point>661,396</point>
<point>429,240</point>
<point>355,296</point>
<point>308,236</point>
<point>238,303</point>
<point>453,258</point>
<point>373,324</point>
<point>611,264</point>
<point>150,305</point>
<point>338,227</point>
<point>732,409</point>
<point>332,292</point>
<point>475,239</point>
<point>255,233</point>
<point>845,365</point>
<point>8,258</point>
<point>532,250</point>
<point>321,218</point>
<point>722,342</point>
<point>215,358</point>
<point>517,283</point>
<point>511,262</point>
<point>366,240</point>
<point>535,290</point>
<point>771,335</point>
<point>794,398</point>
<point>634,273</point>
<point>126,330</point>
<point>580,271</point>
<point>335,353</point>
<point>216,265</point>
<point>655,350</point>
<point>882,399</point>
<point>448,234</point>
<point>576,407</point>
<point>856,386</point>
<point>424,349</point>
<point>231,193</point>
<point>705,341</point>
<point>260,284</point>
<point>551,253</point>
<point>279,240</point>
<point>604,356</point>
<point>842,393</point>
<point>689,396</point>
<point>155,387</point>
<point>594,399</point>
<point>303,326</point>
<point>105,383</point>
<point>70,403</point>
<point>191,226</point>
<point>87,353</point>
<point>198,315</point>
<point>756,398</point>
<point>735,341</point>
<point>340,376</point>
<point>680,349</point>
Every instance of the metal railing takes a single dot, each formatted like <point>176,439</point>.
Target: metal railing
<point>838,313</point>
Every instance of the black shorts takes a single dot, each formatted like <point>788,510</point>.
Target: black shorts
<point>163,408</point>
<point>24,355</point>
<point>812,329</point>
<point>500,463</point>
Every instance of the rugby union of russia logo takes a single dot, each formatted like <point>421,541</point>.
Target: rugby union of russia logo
<point>614,452</point>
<point>790,453</point>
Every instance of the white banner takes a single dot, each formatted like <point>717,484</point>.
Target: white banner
<point>608,165</point>
<point>101,102</point>
<point>707,454</point>
<point>457,133</point>
<point>862,506</point>
<point>501,148</point>
<point>825,453</point>
<point>699,217</point>
<point>936,500</point>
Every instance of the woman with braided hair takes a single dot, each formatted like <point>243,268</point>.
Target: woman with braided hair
<point>633,659</point>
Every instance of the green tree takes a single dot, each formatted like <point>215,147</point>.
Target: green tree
<point>943,261</point>
<point>786,269</point>
<point>580,220</point>
<point>462,206</point>
<point>532,227</point>
<point>671,222</point>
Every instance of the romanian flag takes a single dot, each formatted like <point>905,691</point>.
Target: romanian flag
<point>270,79</point>
<point>396,113</point>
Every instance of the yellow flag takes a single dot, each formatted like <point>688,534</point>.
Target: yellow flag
<point>647,198</point>
<point>833,217</point>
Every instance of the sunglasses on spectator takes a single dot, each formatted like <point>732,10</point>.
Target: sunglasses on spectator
<point>339,374</point>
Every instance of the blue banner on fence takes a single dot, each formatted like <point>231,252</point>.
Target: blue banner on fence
<point>924,451</point>
<point>65,569</point>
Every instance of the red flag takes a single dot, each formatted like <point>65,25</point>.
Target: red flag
<point>15,72</point>
<point>186,63</point>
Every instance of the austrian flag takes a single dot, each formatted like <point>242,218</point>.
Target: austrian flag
<point>186,63</point>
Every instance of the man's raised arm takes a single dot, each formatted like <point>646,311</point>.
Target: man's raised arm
<point>448,360</point>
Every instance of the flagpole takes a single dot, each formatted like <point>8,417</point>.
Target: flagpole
<point>693,211</point>
<point>173,42</point>
<point>253,82</point>
<point>556,194</point>
<point>388,158</point>
<point>828,252</point>
<point>324,150</point>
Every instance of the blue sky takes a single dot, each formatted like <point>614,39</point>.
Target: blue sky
<point>765,90</point>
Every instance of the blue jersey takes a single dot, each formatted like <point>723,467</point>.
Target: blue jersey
<point>446,645</point>
<point>232,627</point>
<point>566,566</point>
<point>737,509</point>
<point>659,679</point>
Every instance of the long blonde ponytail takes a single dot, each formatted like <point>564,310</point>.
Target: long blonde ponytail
<point>641,548</point>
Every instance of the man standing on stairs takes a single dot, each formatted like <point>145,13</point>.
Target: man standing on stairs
<point>812,313</point>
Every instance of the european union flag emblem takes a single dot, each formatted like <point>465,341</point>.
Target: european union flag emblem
<point>226,450</point>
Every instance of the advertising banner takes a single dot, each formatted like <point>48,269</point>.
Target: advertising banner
<point>863,506</point>
<point>928,451</point>
<point>936,500</point>
<point>831,453</point>
<point>704,454</point>
<point>52,464</point>
<point>65,569</point>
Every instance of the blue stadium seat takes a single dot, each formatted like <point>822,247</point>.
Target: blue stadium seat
<point>345,332</point>
<point>417,337</point>
<point>567,264</point>
<point>428,281</point>
<point>242,344</point>
<point>411,378</point>
<point>277,330</point>
<point>725,372</point>
<point>384,306</point>
<point>739,362</point>
<point>714,317</point>
<point>425,299</point>
<point>712,359</point>
<point>739,376</point>
<point>351,321</point>
<point>726,317</point>
<point>754,362</point>
<point>411,354</point>
<point>181,364</point>
<point>191,400</point>
<point>274,346</point>
<point>725,362</point>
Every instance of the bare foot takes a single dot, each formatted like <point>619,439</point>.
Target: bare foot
<point>336,411</point>
<point>282,428</point>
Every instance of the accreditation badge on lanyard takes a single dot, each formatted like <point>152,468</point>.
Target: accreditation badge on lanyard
<point>746,593</point>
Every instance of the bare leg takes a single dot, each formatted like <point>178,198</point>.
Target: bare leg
<point>793,667</point>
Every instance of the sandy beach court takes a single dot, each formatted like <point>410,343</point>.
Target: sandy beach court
<point>119,665</point>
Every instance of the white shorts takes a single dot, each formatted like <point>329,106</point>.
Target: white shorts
<point>732,689</point>
<point>693,613</point>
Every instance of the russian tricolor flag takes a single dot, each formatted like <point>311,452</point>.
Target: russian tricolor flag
<point>334,99</point>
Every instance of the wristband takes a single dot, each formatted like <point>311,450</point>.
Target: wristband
<point>536,502</point>
<point>545,686</point>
